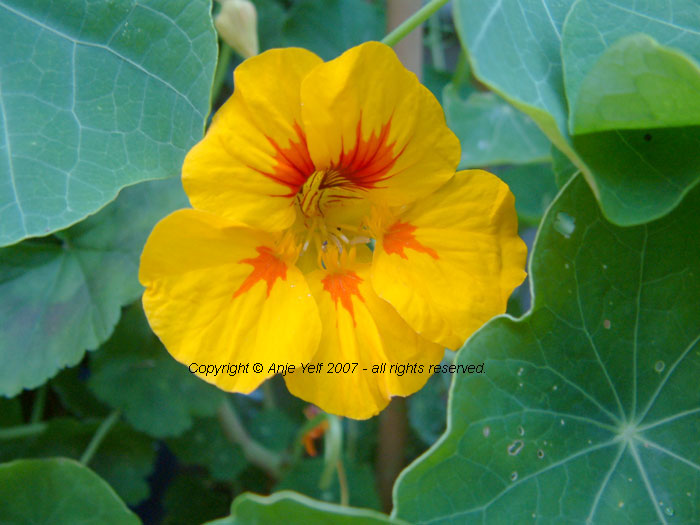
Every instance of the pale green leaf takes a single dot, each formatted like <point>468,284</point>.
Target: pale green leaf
<point>594,26</point>
<point>638,84</point>
<point>514,48</point>
<point>491,131</point>
<point>95,96</point>
<point>62,295</point>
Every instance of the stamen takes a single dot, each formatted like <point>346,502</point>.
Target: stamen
<point>342,237</point>
<point>359,240</point>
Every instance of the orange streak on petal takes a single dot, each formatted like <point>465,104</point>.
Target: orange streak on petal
<point>342,286</point>
<point>266,266</point>
<point>293,164</point>
<point>400,236</point>
<point>367,163</point>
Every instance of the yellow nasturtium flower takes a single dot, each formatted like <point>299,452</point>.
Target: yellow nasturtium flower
<point>303,166</point>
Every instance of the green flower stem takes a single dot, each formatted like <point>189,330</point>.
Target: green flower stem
<point>21,431</point>
<point>100,434</point>
<point>253,451</point>
<point>413,21</point>
<point>333,450</point>
<point>39,404</point>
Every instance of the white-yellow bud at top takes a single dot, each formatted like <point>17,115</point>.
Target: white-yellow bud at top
<point>237,24</point>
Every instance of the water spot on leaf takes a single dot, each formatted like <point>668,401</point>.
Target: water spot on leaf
<point>513,476</point>
<point>562,422</point>
<point>669,511</point>
<point>659,366</point>
<point>520,371</point>
<point>565,224</point>
<point>521,430</point>
<point>486,431</point>
<point>555,388</point>
<point>606,324</point>
<point>540,453</point>
<point>620,504</point>
<point>515,447</point>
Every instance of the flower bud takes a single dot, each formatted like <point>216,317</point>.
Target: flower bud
<point>237,24</point>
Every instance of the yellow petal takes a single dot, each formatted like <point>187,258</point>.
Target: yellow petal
<point>218,294</point>
<point>254,159</point>
<point>375,127</point>
<point>449,262</point>
<point>360,331</point>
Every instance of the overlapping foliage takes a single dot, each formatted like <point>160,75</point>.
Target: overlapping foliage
<point>589,409</point>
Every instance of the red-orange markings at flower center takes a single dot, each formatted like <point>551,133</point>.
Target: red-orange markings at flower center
<point>266,266</point>
<point>362,167</point>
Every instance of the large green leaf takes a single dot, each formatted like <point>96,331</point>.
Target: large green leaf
<point>60,492</point>
<point>593,45</point>
<point>642,174</point>
<point>589,408</point>
<point>124,459</point>
<point>163,397</point>
<point>491,131</point>
<point>291,508</point>
<point>63,294</point>
<point>637,84</point>
<point>623,86</point>
<point>514,48</point>
<point>95,96</point>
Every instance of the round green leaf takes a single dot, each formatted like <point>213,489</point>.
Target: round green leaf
<point>95,96</point>
<point>63,294</point>
<point>514,48</point>
<point>162,397</point>
<point>637,84</point>
<point>641,174</point>
<point>291,508</point>
<point>58,491</point>
<point>491,131</point>
<point>124,459</point>
<point>634,102</point>
<point>589,410</point>
<point>628,80</point>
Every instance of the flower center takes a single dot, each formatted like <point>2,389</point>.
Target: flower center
<point>310,194</point>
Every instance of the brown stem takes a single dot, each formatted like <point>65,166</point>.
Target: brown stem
<point>391,458</point>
